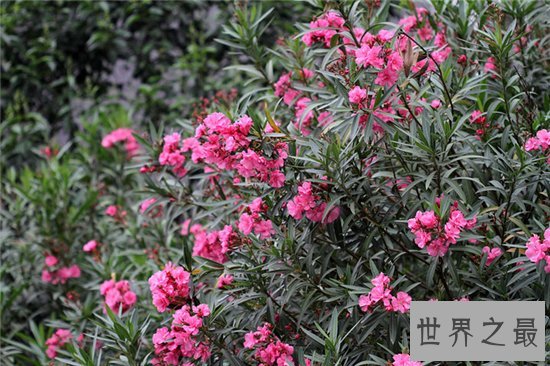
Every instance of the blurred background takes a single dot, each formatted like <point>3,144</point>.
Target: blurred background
<point>144,61</point>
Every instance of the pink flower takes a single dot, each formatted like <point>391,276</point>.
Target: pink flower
<point>540,141</point>
<point>111,210</point>
<point>323,29</point>
<point>365,302</point>
<point>381,280</point>
<point>404,359</point>
<point>369,56</point>
<point>169,287</point>
<point>425,33</point>
<point>428,219</point>
<point>357,95</point>
<point>185,227</point>
<point>251,220</point>
<point>184,340</point>
<point>387,77</point>
<point>532,144</point>
<point>224,280</point>
<point>172,154</point>
<point>435,104</point>
<point>56,341</point>
<point>268,348</point>
<point>426,227</point>
<point>539,249</point>
<point>118,295</point>
<point>490,65</point>
<point>408,23</point>
<point>381,293</point>
<point>422,238</point>
<point>308,203</point>
<point>61,275</point>
<point>544,138</point>
<point>492,254</point>
<point>122,135</point>
<point>246,224</point>
<point>146,204</point>
<point>90,246</point>
<point>401,302</point>
<point>51,260</point>
<point>214,245</point>
<point>264,228</point>
<point>223,145</point>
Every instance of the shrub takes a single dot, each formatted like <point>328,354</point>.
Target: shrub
<point>377,155</point>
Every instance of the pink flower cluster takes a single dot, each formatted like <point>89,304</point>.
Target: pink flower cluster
<point>172,154</point>
<point>404,359</point>
<point>269,350</point>
<point>169,287</point>
<point>540,141</point>
<point>413,22</point>
<point>55,275</point>
<point>121,135</point>
<point>430,233</point>
<point>365,101</point>
<point>183,341</point>
<point>492,254</point>
<point>251,220</point>
<point>483,127</point>
<point>118,295</point>
<point>389,62</point>
<point>309,202</point>
<point>303,118</point>
<point>419,23</point>
<point>56,341</point>
<point>116,212</point>
<point>330,23</point>
<point>215,245</point>
<point>538,249</point>
<point>226,146</point>
<point>381,294</point>
<point>284,89</point>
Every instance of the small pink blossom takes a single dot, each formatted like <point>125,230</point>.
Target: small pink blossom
<point>56,341</point>
<point>124,135</point>
<point>51,260</point>
<point>224,280</point>
<point>90,246</point>
<point>404,359</point>
<point>111,210</point>
<point>492,254</point>
<point>435,104</point>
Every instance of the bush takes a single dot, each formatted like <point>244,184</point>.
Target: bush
<point>375,155</point>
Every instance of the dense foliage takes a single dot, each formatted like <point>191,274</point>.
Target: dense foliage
<point>371,154</point>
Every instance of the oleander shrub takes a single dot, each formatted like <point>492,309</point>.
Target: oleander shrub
<point>377,153</point>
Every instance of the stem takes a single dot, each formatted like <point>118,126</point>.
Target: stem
<point>440,74</point>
